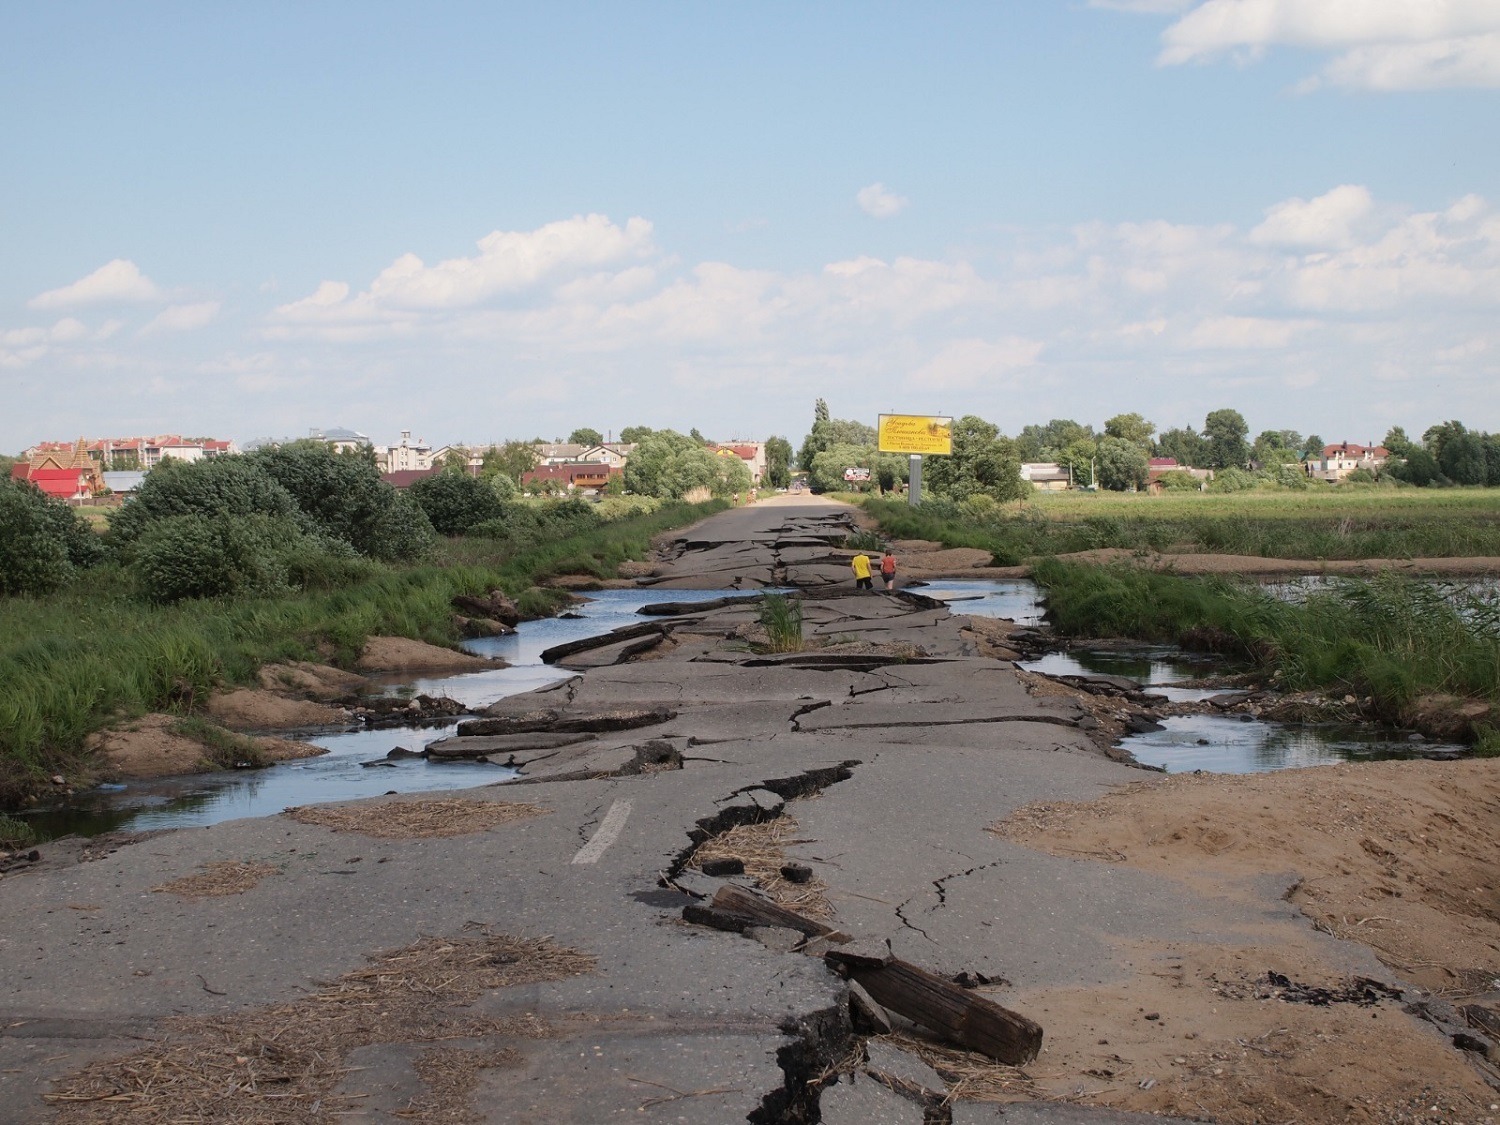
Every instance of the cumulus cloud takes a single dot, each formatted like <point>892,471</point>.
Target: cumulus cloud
<point>119,280</point>
<point>1325,222</point>
<point>182,318</point>
<point>1377,44</point>
<point>1327,291</point>
<point>880,202</point>
<point>509,264</point>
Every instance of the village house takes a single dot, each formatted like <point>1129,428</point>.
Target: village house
<point>752,453</point>
<point>1338,461</point>
<point>134,452</point>
<point>1158,467</point>
<point>584,476</point>
<point>1047,476</point>
<point>404,457</point>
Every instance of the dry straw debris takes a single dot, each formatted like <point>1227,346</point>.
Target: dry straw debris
<point>414,820</point>
<point>283,1064</point>
<point>762,849</point>
<point>216,880</point>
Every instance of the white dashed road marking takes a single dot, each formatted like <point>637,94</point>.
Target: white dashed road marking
<point>609,832</point>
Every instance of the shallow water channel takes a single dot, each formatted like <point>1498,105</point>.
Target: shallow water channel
<point>180,802</point>
<point>1217,743</point>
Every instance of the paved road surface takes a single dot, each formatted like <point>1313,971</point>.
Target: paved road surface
<point>908,761</point>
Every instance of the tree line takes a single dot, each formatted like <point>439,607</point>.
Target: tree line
<point>1117,457</point>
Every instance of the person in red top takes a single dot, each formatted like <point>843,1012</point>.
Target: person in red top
<point>888,569</point>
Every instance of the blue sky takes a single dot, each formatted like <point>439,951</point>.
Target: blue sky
<point>485,221</point>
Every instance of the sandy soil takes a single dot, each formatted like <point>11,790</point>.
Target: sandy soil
<point>401,654</point>
<point>255,709</point>
<point>312,681</point>
<point>1399,856</point>
<point>1255,565</point>
<point>920,558</point>
<point>149,747</point>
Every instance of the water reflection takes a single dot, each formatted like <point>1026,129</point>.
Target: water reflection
<point>1220,744</point>
<point>1157,667</point>
<point>1015,599</point>
<point>201,799</point>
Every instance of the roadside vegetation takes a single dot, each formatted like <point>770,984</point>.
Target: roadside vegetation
<point>222,566</point>
<point>1348,523</point>
<point>1390,640</point>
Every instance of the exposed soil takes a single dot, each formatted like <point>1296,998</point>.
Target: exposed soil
<point>257,709</point>
<point>402,654</point>
<point>1400,856</point>
<point>1188,563</point>
<point>311,681</point>
<point>151,747</point>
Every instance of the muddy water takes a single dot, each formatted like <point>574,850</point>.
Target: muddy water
<point>200,799</point>
<point>1214,743</point>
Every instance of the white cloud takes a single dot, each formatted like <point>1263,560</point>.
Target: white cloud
<point>119,280</point>
<point>879,202</point>
<point>1323,223</point>
<point>1377,44</point>
<point>1244,332</point>
<point>972,363</point>
<point>182,318</point>
<point>1327,292</point>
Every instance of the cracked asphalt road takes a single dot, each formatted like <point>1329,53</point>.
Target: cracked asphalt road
<point>678,1023</point>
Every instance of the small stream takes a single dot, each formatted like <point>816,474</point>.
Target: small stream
<point>1216,743</point>
<point>1213,743</point>
<point>199,799</point>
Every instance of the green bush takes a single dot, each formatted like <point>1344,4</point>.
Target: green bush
<point>43,542</point>
<point>1231,480</point>
<point>343,495</point>
<point>455,502</point>
<point>225,487</point>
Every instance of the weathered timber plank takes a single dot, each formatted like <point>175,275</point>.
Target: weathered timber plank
<point>734,908</point>
<point>956,1014</point>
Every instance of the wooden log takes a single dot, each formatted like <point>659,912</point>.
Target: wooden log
<point>957,1015</point>
<point>734,908</point>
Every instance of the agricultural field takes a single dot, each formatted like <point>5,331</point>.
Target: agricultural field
<point>1350,523</point>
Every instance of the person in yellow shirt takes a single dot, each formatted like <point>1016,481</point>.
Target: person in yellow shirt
<point>861,565</point>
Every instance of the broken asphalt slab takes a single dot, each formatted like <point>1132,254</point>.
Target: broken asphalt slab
<point>909,759</point>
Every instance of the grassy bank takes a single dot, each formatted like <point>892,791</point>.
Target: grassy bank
<point>1329,524</point>
<point>79,660</point>
<point>1390,639</point>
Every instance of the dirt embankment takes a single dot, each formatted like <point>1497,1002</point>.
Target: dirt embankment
<point>160,745</point>
<point>1256,566</point>
<point>1401,857</point>
<point>401,654</point>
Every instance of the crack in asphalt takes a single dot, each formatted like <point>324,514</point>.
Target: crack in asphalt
<point>808,708</point>
<point>941,884</point>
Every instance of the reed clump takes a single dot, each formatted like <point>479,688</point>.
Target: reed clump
<point>1391,640</point>
<point>96,652</point>
<point>781,617</point>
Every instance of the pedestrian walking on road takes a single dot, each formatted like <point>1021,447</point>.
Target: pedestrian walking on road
<point>861,565</point>
<point>888,569</point>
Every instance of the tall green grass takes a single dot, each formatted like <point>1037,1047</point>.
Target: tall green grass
<point>1391,639</point>
<point>1328,525</point>
<point>95,653</point>
<point>781,617</point>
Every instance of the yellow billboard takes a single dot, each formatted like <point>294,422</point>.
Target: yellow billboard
<point>916,433</point>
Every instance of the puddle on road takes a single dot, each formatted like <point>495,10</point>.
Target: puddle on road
<point>199,799</point>
<point>1018,599</point>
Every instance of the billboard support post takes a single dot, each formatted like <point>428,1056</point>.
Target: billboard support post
<point>914,479</point>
